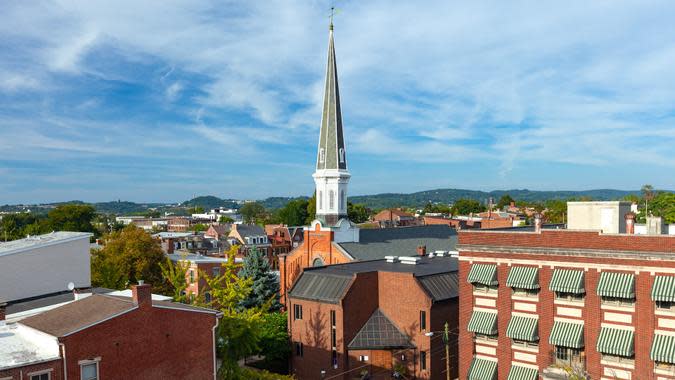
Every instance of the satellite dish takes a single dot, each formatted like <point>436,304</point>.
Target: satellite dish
<point>71,286</point>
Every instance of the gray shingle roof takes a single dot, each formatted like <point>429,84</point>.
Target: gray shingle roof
<point>321,287</point>
<point>379,332</point>
<point>250,230</point>
<point>377,243</point>
<point>440,286</point>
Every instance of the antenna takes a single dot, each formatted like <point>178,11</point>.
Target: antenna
<point>71,286</point>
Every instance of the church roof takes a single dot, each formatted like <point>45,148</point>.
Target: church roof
<point>379,333</point>
<point>376,243</point>
<point>331,152</point>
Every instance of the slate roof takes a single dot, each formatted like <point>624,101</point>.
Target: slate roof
<point>321,287</point>
<point>249,230</point>
<point>377,243</point>
<point>379,333</point>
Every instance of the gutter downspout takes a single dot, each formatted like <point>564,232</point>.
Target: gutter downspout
<point>215,361</point>
<point>65,370</point>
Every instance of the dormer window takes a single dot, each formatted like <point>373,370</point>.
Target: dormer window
<point>342,155</point>
<point>322,155</point>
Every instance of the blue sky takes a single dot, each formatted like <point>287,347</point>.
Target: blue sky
<point>158,101</point>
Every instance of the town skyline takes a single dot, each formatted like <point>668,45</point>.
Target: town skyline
<point>137,108</point>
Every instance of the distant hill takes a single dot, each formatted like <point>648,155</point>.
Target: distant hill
<point>209,202</point>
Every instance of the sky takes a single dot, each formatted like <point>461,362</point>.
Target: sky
<point>163,100</point>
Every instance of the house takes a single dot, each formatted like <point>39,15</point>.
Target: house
<point>197,266</point>
<point>44,264</point>
<point>218,231</point>
<point>179,224</point>
<point>375,318</point>
<point>394,218</point>
<point>191,242</point>
<point>111,337</point>
<point>598,302</point>
<point>248,236</point>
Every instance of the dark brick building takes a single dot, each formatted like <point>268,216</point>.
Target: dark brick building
<point>376,316</point>
<point>532,302</point>
<point>111,337</point>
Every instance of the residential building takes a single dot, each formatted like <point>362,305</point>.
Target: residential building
<point>197,266</point>
<point>534,301</point>
<point>394,218</point>
<point>191,243</point>
<point>111,337</point>
<point>247,236</point>
<point>375,318</point>
<point>331,237</point>
<point>179,224</point>
<point>218,231</point>
<point>44,264</point>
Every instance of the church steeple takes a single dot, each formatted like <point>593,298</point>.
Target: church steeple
<point>331,176</point>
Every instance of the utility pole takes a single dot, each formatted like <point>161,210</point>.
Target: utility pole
<point>446,340</point>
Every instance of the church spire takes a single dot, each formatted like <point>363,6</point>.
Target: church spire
<point>331,176</point>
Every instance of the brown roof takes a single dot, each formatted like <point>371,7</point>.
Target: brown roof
<point>390,213</point>
<point>74,316</point>
<point>221,229</point>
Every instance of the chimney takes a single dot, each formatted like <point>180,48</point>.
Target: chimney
<point>421,250</point>
<point>142,295</point>
<point>630,222</point>
<point>537,223</point>
<point>3,306</point>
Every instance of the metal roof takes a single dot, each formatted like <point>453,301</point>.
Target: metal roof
<point>40,241</point>
<point>320,286</point>
<point>376,243</point>
<point>441,286</point>
<point>424,267</point>
<point>379,333</point>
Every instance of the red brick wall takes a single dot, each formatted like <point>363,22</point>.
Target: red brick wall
<point>155,344</point>
<point>21,373</point>
<point>313,330</point>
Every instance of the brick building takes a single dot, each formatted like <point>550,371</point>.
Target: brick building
<point>534,301</point>
<point>197,265</point>
<point>111,337</point>
<point>394,218</point>
<point>376,317</point>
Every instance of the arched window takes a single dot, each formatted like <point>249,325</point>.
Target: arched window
<point>342,155</point>
<point>331,200</point>
<point>317,262</point>
<point>342,200</point>
<point>322,155</point>
<point>320,200</point>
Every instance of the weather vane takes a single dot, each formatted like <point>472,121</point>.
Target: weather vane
<point>333,12</point>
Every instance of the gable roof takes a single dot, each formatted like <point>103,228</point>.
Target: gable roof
<point>377,243</point>
<point>441,286</point>
<point>321,287</point>
<point>249,230</point>
<point>220,229</point>
<point>378,333</point>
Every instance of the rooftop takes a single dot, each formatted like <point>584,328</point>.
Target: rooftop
<point>172,235</point>
<point>200,259</point>
<point>20,345</point>
<point>38,241</point>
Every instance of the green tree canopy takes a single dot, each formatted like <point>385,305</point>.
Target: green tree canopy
<point>436,208</point>
<point>505,200</point>
<point>225,219</point>
<point>128,255</point>
<point>311,209</point>
<point>174,276</point>
<point>72,217</point>
<point>294,213</point>
<point>253,212</point>
<point>663,205</point>
<point>466,206</point>
<point>265,287</point>
<point>357,213</point>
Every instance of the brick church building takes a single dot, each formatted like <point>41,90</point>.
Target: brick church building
<point>332,238</point>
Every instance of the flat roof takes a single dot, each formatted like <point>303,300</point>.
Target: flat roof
<point>21,345</point>
<point>166,235</point>
<point>424,267</point>
<point>39,241</point>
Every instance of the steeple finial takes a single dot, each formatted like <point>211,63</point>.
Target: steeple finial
<point>332,13</point>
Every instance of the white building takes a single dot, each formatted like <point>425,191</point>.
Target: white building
<point>44,264</point>
<point>605,216</point>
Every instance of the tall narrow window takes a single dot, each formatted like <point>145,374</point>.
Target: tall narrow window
<point>298,349</point>
<point>423,360</point>
<point>192,276</point>
<point>320,200</point>
<point>331,200</point>
<point>423,320</point>
<point>297,311</point>
<point>333,332</point>
<point>322,155</point>
<point>342,155</point>
<point>342,200</point>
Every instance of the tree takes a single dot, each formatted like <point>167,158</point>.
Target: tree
<point>311,209</point>
<point>128,255</point>
<point>174,275</point>
<point>556,210</point>
<point>466,206</point>
<point>357,213</point>
<point>663,205</point>
<point>648,195</point>
<point>225,219</point>
<point>72,217</point>
<point>265,284</point>
<point>196,210</point>
<point>253,212</point>
<point>274,339</point>
<point>199,227</point>
<point>294,213</point>
<point>505,200</point>
<point>435,208</point>
<point>17,226</point>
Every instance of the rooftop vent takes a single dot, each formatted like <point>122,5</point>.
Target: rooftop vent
<point>391,259</point>
<point>409,260</point>
<point>439,253</point>
<point>453,253</point>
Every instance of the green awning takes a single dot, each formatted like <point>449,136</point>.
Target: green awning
<point>485,274</point>
<point>663,349</point>
<point>523,278</point>
<point>664,288</point>
<point>482,369</point>
<point>620,285</point>
<point>567,281</point>
<point>567,334</point>
<point>523,328</point>
<point>616,342</point>
<point>483,322</point>
<point>522,373</point>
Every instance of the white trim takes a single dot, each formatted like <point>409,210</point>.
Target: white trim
<point>490,358</point>
<point>46,244</point>
<point>618,327</point>
<point>664,312</point>
<point>616,364</point>
<point>625,309</point>
<point>493,311</point>
<point>533,299</point>
<point>206,311</point>
<point>530,366</point>
<point>664,332</point>
<point>526,315</point>
<point>41,372</point>
<point>532,350</point>
<point>96,361</point>
<point>579,304</point>
<point>99,322</point>
<point>215,360</point>
<point>568,320</point>
<point>494,294</point>
<point>89,361</point>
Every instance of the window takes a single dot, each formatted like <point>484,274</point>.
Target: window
<point>297,311</point>
<point>525,344</point>
<point>525,292</point>
<point>618,359</point>
<point>485,338</point>
<point>663,365</point>
<point>320,200</point>
<point>342,155</point>
<point>423,360</point>
<point>331,200</point>
<point>342,200</point>
<point>423,320</point>
<point>192,276</point>
<point>567,356</point>
<point>484,288</point>
<point>577,297</point>
<point>363,358</point>
<point>333,318</point>
<point>41,376</point>
<point>334,359</point>
<point>89,371</point>
<point>216,271</point>
<point>333,328</point>
<point>298,349</point>
<point>665,305</point>
<point>618,301</point>
<point>207,297</point>
<point>322,155</point>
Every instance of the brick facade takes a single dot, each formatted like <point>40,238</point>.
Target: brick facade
<point>594,253</point>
